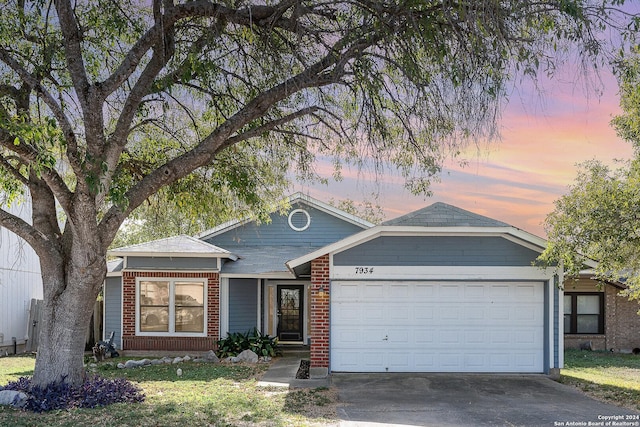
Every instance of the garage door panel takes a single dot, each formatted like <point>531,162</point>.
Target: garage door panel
<point>437,327</point>
<point>374,313</point>
<point>372,291</point>
<point>450,293</point>
<point>399,312</point>
<point>373,335</point>
<point>474,361</point>
<point>500,313</point>
<point>449,312</point>
<point>525,361</point>
<point>474,292</point>
<point>346,313</point>
<point>423,336</point>
<point>423,292</point>
<point>423,312</point>
<point>475,337</point>
<point>399,361</point>
<point>374,361</point>
<point>425,361</point>
<point>399,291</point>
<point>350,291</point>
<point>525,313</point>
<point>474,313</point>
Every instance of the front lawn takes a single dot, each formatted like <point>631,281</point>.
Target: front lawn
<point>205,395</point>
<point>611,377</point>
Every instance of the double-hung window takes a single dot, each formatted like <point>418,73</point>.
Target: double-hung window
<point>584,313</point>
<point>171,306</point>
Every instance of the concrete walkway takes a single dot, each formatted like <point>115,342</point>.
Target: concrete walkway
<point>282,373</point>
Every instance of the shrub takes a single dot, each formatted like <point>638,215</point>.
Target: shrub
<point>94,391</point>
<point>236,342</point>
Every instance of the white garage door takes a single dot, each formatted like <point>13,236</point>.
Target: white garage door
<point>437,327</point>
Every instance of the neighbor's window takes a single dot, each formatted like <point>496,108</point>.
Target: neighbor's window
<point>584,313</point>
<point>171,306</point>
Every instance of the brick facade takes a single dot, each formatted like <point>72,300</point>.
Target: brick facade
<point>320,312</point>
<point>621,321</point>
<point>132,342</point>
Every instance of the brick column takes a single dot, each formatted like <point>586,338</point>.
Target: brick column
<point>320,312</point>
<point>128,304</point>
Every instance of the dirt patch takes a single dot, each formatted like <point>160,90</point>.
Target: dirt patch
<point>318,403</point>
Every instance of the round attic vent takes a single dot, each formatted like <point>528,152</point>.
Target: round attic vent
<point>299,220</point>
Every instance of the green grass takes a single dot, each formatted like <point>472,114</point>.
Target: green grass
<point>205,395</point>
<point>611,377</point>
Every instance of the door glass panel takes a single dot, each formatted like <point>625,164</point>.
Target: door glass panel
<point>290,313</point>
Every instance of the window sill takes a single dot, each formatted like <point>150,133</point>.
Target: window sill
<point>586,335</point>
<point>171,334</point>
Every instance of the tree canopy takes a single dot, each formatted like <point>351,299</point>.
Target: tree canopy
<point>104,103</point>
<point>598,219</point>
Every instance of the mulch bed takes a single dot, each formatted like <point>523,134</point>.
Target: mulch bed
<point>303,370</point>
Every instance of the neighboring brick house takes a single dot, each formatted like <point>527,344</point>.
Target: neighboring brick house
<point>438,290</point>
<point>596,316</point>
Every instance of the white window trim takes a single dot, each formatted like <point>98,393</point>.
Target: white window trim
<point>172,281</point>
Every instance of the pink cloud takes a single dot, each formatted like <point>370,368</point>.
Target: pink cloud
<point>517,179</point>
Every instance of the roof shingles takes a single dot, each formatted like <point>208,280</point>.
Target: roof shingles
<point>444,215</point>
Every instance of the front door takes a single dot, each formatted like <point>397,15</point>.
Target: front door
<point>290,312</point>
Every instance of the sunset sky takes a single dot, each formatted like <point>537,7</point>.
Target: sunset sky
<point>544,134</point>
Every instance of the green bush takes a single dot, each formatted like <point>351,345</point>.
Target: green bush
<point>236,342</point>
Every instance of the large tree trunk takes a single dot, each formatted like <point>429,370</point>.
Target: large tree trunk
<point>70,291</point>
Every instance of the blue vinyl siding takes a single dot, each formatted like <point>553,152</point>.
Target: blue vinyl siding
<point>113,309</point>
<point>324,229</point>
<point>168,263</point>
<point>437,251</point>
<point>243,304</point>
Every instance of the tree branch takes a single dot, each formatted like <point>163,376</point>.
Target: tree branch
<point>67,129</point>
<point>38,241</point>
<point>73,50</point>
<point>269,126</point>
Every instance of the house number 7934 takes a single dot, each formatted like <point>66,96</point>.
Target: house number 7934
<point>364,270</point>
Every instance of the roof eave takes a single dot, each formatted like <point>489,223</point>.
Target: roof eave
<point>122,254</point>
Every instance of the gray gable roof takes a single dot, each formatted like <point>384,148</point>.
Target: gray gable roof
<point>182,245</point>
<point>293,200</point>
<point>264,260</point>
<point>444,215</point>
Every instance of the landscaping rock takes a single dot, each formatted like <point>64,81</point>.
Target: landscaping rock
<point>186,358</point>
<point>13,398</point>
<point>133,363</point>
<point>247,356</point>
<point>121,366</point>
<point>167,360</point>
<point>211,357</point>
<point>177,360</point>
<point>157,362</point>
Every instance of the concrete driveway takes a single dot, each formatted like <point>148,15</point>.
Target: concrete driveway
<point>469,400</point>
